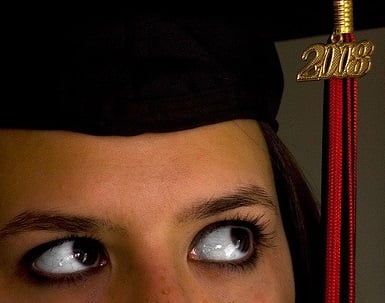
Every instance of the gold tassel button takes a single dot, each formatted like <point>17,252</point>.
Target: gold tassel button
<point>343,16</point>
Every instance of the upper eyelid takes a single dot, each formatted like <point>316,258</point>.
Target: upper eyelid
<point>245,196</point>
<point>259,222</point>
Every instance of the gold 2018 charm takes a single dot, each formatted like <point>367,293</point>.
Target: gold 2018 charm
<point>340,60</point>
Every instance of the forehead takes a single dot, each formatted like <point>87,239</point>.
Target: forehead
<point>62,169</point>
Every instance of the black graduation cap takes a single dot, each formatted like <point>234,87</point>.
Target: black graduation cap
<point>140,73</point>
<point>132,73</point>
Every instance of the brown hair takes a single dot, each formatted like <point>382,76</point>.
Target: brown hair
<point>301,219</point>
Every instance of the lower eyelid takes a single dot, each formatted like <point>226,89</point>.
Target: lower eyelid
<point>230,267</point>
<point>65,279</point>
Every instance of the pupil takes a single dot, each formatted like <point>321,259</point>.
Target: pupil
<point>86,251</point>
<point>241,238</point>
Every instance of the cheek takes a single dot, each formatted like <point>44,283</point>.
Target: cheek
<point>270,281</point>
<point>277,278</point>
<point>281,283</point>
<point>92,291</point>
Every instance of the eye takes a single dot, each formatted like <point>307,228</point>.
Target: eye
<point>225,243</point>
<point>65,258</point>
<point>228,242</point>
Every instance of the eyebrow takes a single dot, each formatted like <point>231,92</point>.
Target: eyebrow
<point>34,220</point>
<point>245,196</point>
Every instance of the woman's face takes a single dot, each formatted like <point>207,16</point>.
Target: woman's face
<point>189,216</point>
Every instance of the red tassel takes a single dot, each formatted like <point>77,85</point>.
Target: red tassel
<point>340,194</point>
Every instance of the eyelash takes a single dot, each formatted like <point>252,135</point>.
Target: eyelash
<point>261,238</point>
<point>256,224</point>
<point>26,271</point>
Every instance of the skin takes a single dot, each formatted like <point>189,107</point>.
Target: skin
<point>142,192</point>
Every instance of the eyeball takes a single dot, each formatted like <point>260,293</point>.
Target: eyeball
<point>226,243</point>
<point>67,257</point>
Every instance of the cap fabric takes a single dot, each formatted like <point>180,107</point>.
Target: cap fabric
<point>136,74</point>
